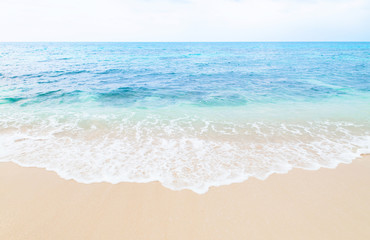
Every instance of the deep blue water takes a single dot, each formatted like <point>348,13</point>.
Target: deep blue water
<point>204,74</point>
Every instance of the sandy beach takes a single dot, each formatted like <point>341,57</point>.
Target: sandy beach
<point>322,204</point>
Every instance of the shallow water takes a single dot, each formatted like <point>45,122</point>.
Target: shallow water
<point>190,115</point>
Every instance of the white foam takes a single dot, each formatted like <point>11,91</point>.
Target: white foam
<point>182,153</point>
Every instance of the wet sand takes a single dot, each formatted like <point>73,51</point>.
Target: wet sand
<point>322,204</point>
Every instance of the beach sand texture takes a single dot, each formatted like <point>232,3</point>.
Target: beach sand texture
<point>323,204</point>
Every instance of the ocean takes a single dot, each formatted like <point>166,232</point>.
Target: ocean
<point>189,115</point>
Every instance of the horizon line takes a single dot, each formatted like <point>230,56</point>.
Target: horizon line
<point>326,41</point>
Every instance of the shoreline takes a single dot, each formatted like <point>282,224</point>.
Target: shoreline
<point>301,204</point>
<point>223,184</point>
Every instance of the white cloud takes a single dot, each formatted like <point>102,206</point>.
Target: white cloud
<point>185,20</point>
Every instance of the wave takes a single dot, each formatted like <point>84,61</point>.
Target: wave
<point>180,152</point>
<point>9,100</point>
<point>127,96</point>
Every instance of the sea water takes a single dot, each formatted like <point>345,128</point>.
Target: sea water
<point>189,115</point>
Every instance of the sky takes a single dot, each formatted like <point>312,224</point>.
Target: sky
<point>184,20</point>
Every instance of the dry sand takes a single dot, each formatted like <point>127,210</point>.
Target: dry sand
<point>323,204</point>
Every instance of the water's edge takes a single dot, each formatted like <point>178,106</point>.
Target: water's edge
<point>61,175</point>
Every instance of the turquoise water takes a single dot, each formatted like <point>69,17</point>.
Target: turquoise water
<point>190,115</point>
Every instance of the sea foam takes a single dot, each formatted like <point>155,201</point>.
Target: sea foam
<point>181,153</point>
